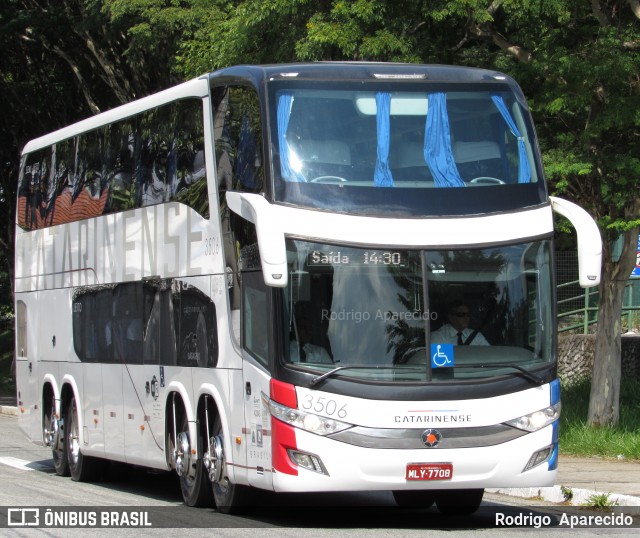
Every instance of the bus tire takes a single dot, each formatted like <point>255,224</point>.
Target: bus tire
<point>459,501</point>
<point>229,498</point>
<point>82,468</point>
<point>196,491</point>
<point>414,499</point>
<point>54,429</point>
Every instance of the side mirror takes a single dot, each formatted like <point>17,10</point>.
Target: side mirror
<point>589,240</point>
<point>273,251</point>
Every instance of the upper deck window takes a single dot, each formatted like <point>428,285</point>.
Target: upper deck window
<point>154,157</point>
<point>336,145</point>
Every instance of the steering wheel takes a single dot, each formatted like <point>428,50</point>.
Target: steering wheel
<point>486,180</point>
<point>328,179</point>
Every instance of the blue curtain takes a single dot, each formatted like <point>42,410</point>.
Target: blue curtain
<point>284,112</point>
<point>382,175</point>
<point>524,170</point>
<point>437,144</point>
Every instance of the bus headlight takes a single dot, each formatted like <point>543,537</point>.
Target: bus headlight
<point>537,420</point>
<point>306,421</point>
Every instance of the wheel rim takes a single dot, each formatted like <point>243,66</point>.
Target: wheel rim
<point>73,445</point>
<point>183,451</point>
<point>215,459</point>
<point>51,429</point>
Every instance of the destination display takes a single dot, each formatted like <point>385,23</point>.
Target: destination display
<point>320,258</point>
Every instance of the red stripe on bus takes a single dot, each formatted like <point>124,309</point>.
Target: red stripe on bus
<point>283,437</point>
<point>283,393</point>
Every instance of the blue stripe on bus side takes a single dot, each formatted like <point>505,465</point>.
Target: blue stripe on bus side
<point>553,460</point>
<point>555,391</point>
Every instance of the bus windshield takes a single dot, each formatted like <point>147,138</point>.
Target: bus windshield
<point>337,144</point>
<point>389,315</point>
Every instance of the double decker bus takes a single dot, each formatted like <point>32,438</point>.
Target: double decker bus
<point>248,280</point>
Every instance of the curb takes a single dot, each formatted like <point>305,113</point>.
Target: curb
<point>557,495</point>
<point>9,410</point>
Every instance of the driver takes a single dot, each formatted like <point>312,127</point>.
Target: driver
<point>457,331</point>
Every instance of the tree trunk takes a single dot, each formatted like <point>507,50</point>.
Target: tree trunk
<point>604,401</point>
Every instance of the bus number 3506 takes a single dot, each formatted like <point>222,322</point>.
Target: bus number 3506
<point>324,406</point>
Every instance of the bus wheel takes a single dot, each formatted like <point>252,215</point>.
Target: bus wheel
<point>82,468</point>
<point>414,499</point>
<point>459,501</point>
<point>53,430</point>
<point>194,483</point>
<point>229,498</point>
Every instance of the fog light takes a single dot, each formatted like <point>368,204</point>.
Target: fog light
<point>307,461</point>
<point>539,457</point>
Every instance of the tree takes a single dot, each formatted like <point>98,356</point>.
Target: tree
<point>577,62</point>
<point>64,60</point>
<point>591,132</point>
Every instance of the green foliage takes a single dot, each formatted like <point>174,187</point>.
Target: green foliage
<point>600,501</point>
<point>567,493</point>
<point>576,61</point>
<point>577,438</point>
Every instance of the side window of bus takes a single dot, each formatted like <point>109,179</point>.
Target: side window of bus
<point>90,346</point>
<point>126,329</point>
<point>160,324</point>
<point>117,159</point>
<point>108,323</point>
<point>154,157</point>
<point>33,191</point>
<point>152,322</point>
<point>190,180</point>
<point>237,127</point>
<point>238,131</point>
<point>195,326</point>
<point>170,156</point>
<point>255,318</point>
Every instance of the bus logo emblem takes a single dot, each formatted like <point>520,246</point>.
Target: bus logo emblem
<point>431,438</point>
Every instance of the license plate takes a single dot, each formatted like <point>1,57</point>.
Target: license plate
<point>429,471</point>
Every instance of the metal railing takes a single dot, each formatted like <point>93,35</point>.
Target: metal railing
<point>578,307</point>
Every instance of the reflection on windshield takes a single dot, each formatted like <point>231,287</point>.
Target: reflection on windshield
<point>413,315</point>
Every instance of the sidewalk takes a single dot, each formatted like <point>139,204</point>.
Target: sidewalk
<point>578,478</point>
<point>8,405</point>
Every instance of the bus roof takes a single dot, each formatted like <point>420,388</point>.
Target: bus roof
<point>198,88</point>
<point>363,71</point>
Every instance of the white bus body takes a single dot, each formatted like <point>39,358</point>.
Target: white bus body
<point>245,279</point>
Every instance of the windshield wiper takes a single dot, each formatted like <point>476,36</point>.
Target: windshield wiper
<point>330,373</point>
<point>525,373</point>
<point>519,370</point>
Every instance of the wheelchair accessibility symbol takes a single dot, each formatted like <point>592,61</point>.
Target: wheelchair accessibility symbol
<point>441,355</point>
